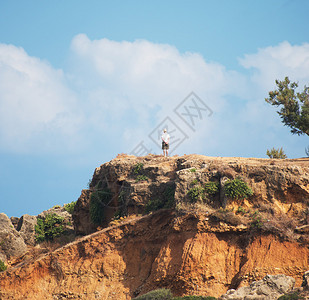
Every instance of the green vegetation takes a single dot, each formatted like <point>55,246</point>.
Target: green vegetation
<point>3,267</point>
<point>256,220</point>
<point>291,296</point>
<point>69,207</point>
<point>194,182</point>
<point>98,201</point>
<point>141,178</point>
<point>241,210</point>
<point>49,228</point>
<point>211,188</point>
<point>196,193</point>
<point>166,294</point>
<point>138,168</point>
<point>234,189</point>
<point>276,153</point>
<point>166,201</point>
<point>294,111</point>
<point>138,171</point>
<point>159,294</point>
<point>193,170</point>
<point>237,189</point>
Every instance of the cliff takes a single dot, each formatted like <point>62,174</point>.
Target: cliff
<point>192,243</point>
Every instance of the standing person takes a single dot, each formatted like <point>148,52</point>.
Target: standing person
<point>165,142</point>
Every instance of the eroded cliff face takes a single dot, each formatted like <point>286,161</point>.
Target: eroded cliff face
<point>192,248</point>
<point>280,187</point>
<point>188,254</point>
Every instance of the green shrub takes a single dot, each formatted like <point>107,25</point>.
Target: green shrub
<point>241,210</point>
<point>49,228</point>
<point>237,189</point>
<point>196,193</point>
<point>211,188</point>
<point>256,220</point>
<point>98,201</point>
<point>166,201</point>
<point>292,296</point>
<point>141,178</point>
<point>193,170</point>
<point>138,168</point>
<point>194,182</point>
<point>69,207</point>
<point>194,298</point>
<point>276,153</point>
<point>3,267</point>
<point>159,294</point>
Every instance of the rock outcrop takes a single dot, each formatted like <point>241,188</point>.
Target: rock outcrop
<point>271,287</point>
<point>202,246</point>
<point>26,228</point>
<point>280,187</point>
<point>11,243</point>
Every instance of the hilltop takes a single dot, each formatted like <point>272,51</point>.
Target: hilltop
<point>151,222</point>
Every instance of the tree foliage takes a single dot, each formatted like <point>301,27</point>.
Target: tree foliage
<point>294,106</point>
<point>276,153</point>
<point>49,228</point>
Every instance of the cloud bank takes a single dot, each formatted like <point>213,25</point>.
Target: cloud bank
<point>112,94</point>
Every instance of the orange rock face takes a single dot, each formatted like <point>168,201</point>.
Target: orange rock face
<point>185,253</point>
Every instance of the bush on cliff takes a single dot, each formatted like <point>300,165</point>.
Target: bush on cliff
<point>49,228</point>
<point>167,200</point>
<point>69,207</point>
<point>98,201</point>
<point>2,266</point>
<point>237,189</point>
<point>159,294</point>
<point>276,153</point>
<point>291,296</point>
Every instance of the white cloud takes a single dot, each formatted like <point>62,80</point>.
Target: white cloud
<point>140,83</point>
<point>35,104</point>
<point>113,94</point>
<point>277,62</point>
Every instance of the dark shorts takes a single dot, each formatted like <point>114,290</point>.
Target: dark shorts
<point>165,146</point>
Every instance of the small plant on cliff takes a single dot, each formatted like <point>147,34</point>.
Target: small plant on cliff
<point>211,188</point>
<point>159,294</point>
<point>256,220</point>
<point>98,201</point>
<point>240,210</point>
<point>49,228</point>
<point>196,193</point>
<point>276,153</point>
<point>141,178</point>
<point>138,168</point>
<point>69,207</point>
<point>193,170</point>
<point>194,182</point>
<point>3,267</point>
<point>237,189</point>
<point>291,296</point>
<point>166,201</point>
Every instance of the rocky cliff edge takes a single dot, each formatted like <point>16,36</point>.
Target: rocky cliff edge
<point>192,243</point>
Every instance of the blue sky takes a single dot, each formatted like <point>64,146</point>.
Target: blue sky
<point>81,81</point>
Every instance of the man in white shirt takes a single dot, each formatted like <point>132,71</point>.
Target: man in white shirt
<point>165,142</point>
